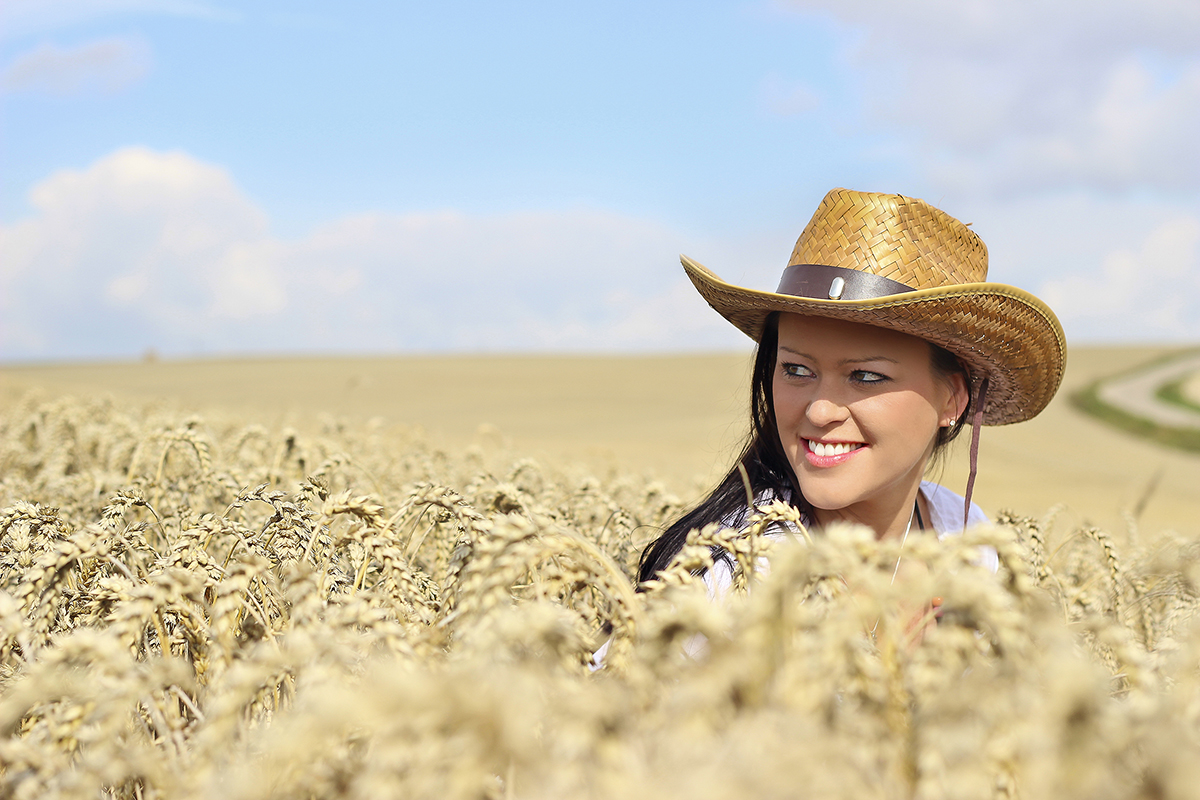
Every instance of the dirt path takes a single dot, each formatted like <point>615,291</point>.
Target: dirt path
<point>1135,394</point>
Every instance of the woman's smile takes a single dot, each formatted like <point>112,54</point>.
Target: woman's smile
<point>827,454</point>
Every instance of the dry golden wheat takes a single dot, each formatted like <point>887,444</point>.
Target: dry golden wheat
<point>209,608</point>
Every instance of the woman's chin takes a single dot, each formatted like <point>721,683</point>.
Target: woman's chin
<point>828,500</point>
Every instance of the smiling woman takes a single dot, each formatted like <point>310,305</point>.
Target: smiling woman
<point>881,342</point>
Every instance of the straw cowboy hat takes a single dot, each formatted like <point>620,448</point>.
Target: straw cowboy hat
<point>899,263</point>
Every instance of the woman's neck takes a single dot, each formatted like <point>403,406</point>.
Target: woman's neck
<point>887,519</point>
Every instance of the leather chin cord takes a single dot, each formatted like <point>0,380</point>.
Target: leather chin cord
<point>976,422</point>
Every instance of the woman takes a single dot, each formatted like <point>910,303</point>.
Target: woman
<point>881,342</point>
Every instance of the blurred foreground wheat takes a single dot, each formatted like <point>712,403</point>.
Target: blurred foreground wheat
<point>202,609</point>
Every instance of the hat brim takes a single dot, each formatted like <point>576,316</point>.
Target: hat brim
<point>1002,332</point>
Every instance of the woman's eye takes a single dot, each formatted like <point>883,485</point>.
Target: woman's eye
<point>797,371</point>
<point>868,377</point>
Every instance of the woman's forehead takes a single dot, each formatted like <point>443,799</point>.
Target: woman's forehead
<point>845,339</point>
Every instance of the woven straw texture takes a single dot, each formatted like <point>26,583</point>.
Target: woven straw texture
<point>896,237</point>
<point>1003,333</point>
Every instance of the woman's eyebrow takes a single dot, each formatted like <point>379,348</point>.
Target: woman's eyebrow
<point>844,361</point>
<point>867,359</point>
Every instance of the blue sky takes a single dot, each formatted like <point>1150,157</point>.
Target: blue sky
<point>262,177</point>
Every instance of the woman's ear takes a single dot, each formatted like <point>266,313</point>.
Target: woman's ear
<point>956,403</point>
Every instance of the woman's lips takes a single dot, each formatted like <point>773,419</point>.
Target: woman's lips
<point>828,454</point>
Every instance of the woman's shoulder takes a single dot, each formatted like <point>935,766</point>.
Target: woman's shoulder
<point>946,517</point>
<point>946,510</point>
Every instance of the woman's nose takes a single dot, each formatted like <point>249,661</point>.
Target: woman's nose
<point>824,411</point>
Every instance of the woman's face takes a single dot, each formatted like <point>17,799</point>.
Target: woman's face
<point>858,410</point>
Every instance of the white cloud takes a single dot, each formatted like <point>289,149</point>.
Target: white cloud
<point>563,280</point>
<point>24,17</point>
<point>105,66</point>
<point>1151,293</point>
<point>246,281</point>
<point>122,247</point>
<point>992,29</point>
<point>1021,95</point>
<point>148,249</point>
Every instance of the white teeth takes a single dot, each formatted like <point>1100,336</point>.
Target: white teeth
<point>832,449</point>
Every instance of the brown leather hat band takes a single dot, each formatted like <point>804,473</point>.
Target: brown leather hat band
<point>824,282</point>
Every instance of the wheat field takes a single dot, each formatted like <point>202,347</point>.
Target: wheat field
<point>236,605</point>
